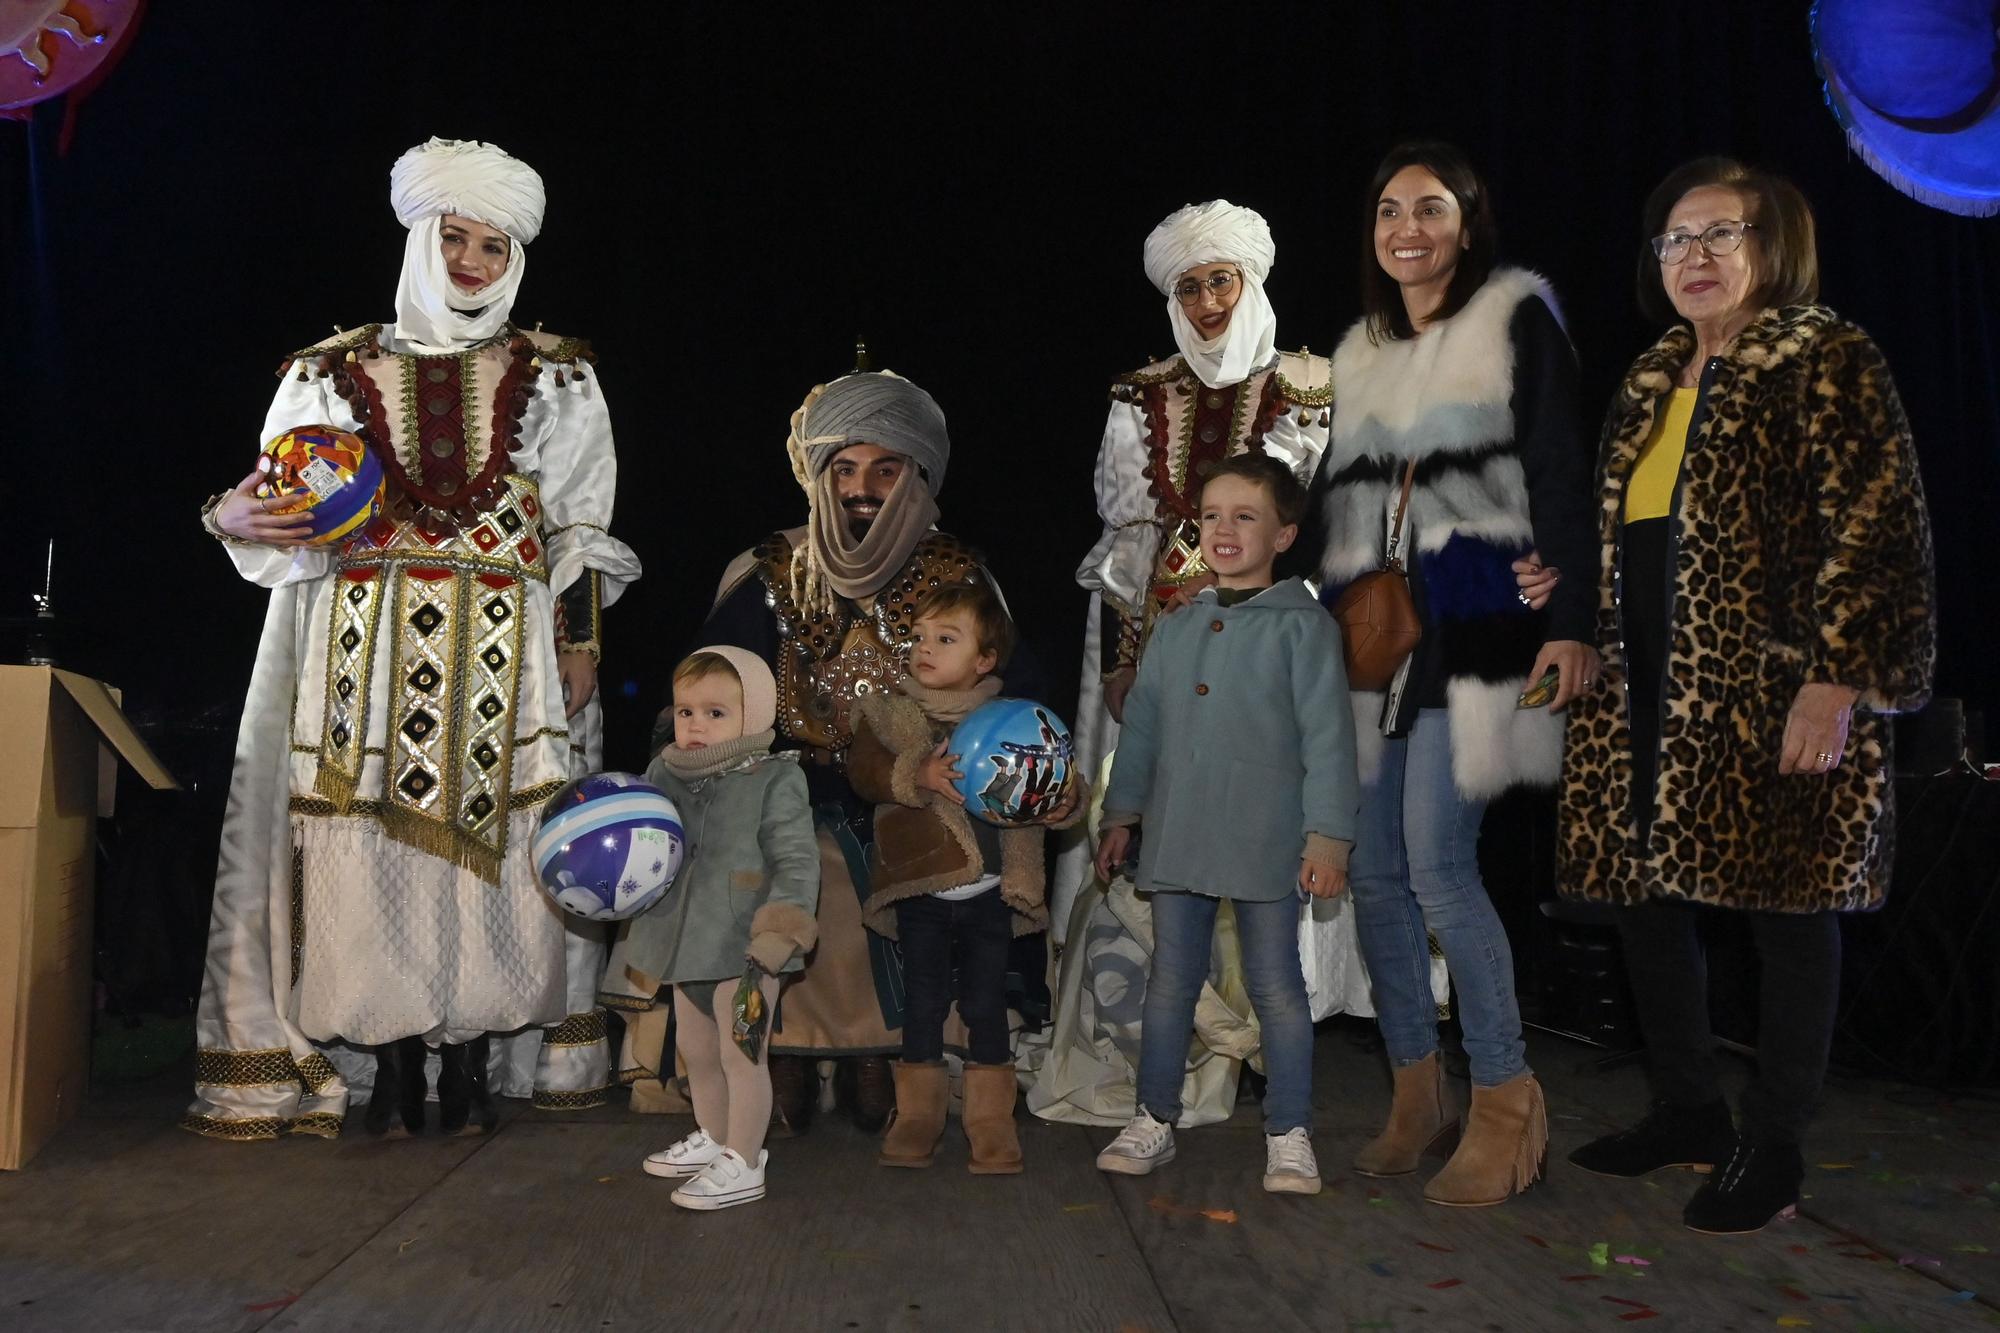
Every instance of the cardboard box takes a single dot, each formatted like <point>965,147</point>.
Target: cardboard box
<point>58,773</point>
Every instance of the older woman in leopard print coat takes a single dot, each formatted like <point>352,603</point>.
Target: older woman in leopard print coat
<point>1765,604</point>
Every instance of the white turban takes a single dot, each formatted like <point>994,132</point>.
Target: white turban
<point>1218,232</point>
<point>471,180</point>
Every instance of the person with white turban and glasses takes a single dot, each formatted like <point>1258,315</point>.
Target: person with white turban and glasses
<point>831,606</point>
<point>420,690</point>
<point>1229,391</point>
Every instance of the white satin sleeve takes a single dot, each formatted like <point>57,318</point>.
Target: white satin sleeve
<point>312,403</point>
<point>578,474</point>
<point>1121,564</point>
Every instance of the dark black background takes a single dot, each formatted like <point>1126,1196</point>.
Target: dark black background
<point>736,192</point>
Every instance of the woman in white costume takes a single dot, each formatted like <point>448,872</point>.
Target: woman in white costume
<point>419,691</point>
<point>1229,391</point>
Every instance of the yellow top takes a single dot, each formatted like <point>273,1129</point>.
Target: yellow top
<point>1650,491</point>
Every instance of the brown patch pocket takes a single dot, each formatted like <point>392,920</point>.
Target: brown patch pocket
<point>746,881</point>
<point>915,844</point>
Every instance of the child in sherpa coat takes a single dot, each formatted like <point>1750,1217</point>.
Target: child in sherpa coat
<point>942,880</point>
<point>741,906</point>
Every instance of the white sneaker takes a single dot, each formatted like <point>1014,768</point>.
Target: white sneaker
<point>724,1182</point>
<point>1143,1144</point>
<point>1289,1164</point>
<point>685,1158</point>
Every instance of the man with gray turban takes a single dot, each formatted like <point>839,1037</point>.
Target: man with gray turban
<point>422,687</point>
<point>830,606</point>
<point>1228,392</point>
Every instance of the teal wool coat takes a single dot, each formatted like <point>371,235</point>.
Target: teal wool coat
<point>1238,741</point>
<point>752,867</point>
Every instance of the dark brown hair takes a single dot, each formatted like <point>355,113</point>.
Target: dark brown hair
<point>989,619</point>
<point>1786,258</point>
<point>1381,295</point>
<point>1287,496</point>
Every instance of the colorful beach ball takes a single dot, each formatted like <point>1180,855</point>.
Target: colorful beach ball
<point>330,473</point>
<point>1017,759</point>
<point>609,846</point>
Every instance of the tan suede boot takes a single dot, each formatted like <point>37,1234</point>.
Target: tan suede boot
<point>990,1091</point>
<point>917,1123</point>
<point>1506,1138</point>
<point>1420,1119</point>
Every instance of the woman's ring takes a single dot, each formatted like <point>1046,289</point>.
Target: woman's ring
<point>1523,597</point>
<point>1825,759</point>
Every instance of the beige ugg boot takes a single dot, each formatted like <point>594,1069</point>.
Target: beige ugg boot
<point>1421,1118</point>
<point>990,1091</point>
<point>917,1123</point>
<point>1506,1138</point>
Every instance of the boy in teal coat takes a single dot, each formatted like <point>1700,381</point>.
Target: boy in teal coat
<point>738,917</point>
<point>1236,762</point>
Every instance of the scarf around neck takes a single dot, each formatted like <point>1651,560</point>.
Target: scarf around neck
<point>858,567</point>
<point>694,765</point>
<point>949,705</point>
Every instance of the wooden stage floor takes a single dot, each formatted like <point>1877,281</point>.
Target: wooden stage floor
<point>126,1222</point>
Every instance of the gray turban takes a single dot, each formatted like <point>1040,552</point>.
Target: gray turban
<point>881,408</point>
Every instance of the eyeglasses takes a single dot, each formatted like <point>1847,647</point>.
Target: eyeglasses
<point>1188,291</point>
<point>1721,238</point>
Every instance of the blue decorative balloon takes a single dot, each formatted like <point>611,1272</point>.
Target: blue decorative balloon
<point>1017,759</point>
<point>609,846</point>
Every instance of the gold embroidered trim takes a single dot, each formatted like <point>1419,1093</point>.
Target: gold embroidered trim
<point>576,1030</point>
<point>222,1068</point>
<point>341,342</point>
<point>377,752</point>
<point>244,1069</point>
<point>320,1124</point>
<point>631,1004</point>
<point>458,563</point>
<point>316,1071</point>
<point>525,799</point>
<point>1304,397</point>
<point>298,909</point>
<point>1176,369</point>
<point>581,1100</point>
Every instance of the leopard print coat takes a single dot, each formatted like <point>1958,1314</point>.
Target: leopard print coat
<point>1801,552</point>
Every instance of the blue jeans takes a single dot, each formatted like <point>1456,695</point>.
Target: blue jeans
<point>1416,865</point>
<point>1183,942</point>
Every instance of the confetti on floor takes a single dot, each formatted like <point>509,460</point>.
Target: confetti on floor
<point>1447,1284</point>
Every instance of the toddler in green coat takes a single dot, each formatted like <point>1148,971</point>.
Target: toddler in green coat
<point>738,917</point>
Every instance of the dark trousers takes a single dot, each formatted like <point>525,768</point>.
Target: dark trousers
<point>1798,995</point>
<point>975,934</point>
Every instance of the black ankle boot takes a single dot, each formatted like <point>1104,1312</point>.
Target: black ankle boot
<point>383,1102</point>
<point>1701,1137</point>
<point>794,1093</point>
<point>465,1105</point>
<point>412,1087</point>
<point>1756,1186</point>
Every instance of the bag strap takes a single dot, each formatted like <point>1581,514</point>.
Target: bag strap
<point>1396,528</point>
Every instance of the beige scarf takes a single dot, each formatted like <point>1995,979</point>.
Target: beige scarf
<point>694,765</point>
<point>949,706</point>
<point>833,558</point>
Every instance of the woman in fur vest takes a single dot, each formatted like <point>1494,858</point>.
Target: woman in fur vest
<point>1765,601</point>
<point>1459,377</point>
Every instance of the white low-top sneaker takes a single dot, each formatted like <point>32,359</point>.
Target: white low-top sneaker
<point>685,1158</point>
<point>1289,1164</point>
<point>1142,1145</point>
<point>724,1182</point>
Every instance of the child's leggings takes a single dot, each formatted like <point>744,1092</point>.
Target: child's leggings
<point>732,1096</point>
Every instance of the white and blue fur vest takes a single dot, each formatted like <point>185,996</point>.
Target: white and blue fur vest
<point>1445,399</point>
